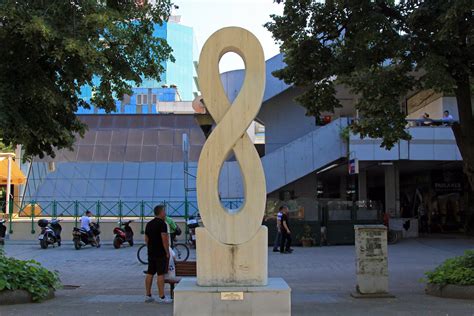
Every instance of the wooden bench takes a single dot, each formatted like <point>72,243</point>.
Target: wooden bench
<point>183,269</point>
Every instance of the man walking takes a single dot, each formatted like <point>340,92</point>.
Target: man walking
<point>285,244</point>
<point>156,238</point>
<point>277,242</point>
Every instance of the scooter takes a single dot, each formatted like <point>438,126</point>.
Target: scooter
<point>80,237</point>
<point>50,233</point>
<point>3,230</point>
<point>122,235</point>
<point>192,224</point>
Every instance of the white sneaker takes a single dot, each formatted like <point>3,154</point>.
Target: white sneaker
<point>149,299</point>
<point>166,300</point>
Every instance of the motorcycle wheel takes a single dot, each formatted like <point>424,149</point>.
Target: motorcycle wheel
<point>44,243</point>
<point>117,242</point>
<point>130,242</point>
<point>77,244</point>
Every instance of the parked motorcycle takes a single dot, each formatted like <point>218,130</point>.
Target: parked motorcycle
<point>192,224</point>
<point>3,231</point>
<point>50,233</point>
<point>81,238</point>
<point>123,233</point>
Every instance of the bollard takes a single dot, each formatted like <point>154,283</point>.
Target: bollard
<point>371,261</point>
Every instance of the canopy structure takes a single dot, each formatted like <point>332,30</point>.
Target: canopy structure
<point>17,176</point>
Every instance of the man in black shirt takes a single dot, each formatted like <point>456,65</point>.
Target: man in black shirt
<point>156,238</point>
<point>285,232</point>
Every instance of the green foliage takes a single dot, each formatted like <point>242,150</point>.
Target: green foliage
<point>5,149</point>
<point>457,270</point>
<point>381,50</point>
<point>52,49</point>
<point>26,275</point>
<point>345,133</point>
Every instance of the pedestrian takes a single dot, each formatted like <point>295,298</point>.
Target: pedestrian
<point>277,242</point>
<point>285,244</point>
<point>174,229</point>
<point>426,120</point>
<point>447,118</point>
<point>157,241</point>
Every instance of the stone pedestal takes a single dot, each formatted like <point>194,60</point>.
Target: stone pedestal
<point>274,299</point>
<point>219,264</point>
<point>371,261</point>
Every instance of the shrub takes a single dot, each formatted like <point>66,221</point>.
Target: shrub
<point>26,275</point>
<point>457,270</point>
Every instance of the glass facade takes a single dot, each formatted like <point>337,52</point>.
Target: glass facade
<point>121,157</point>
<point>142,101</point>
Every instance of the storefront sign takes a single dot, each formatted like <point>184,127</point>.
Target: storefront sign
<point>447,181</point>
<point>354,166</point>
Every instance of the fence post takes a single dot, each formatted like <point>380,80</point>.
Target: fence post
<point>142,216</point>
<point>120,212</point>
<point>76,212</point>
<point>55,210</point>
<point>33,203</point>
<point>97,211</point>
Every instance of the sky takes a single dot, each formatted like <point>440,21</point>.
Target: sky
<point>208,16</point>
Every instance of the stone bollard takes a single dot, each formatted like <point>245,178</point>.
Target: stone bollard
<point>371,261</point>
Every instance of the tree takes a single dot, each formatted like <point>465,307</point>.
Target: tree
<point>52,49</point>
<point>381,50</point>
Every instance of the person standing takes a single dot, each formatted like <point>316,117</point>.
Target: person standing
<point>156,239</point>
<point>285,244</point>
<point>277,242</point>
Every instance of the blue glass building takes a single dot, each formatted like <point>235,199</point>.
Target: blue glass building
<point>178,81</point>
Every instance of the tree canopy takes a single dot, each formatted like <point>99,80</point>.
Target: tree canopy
<point>381,50</point>
<point>50,49</point>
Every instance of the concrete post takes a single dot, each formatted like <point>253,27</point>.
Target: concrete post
<point>371,261</point>
<point>392,190</point>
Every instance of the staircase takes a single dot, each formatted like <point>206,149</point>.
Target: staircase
<point>298,158</point>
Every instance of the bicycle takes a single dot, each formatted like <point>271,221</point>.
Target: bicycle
<point>181,252</point>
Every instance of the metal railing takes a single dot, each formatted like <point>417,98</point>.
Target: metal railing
<point>117,210</point>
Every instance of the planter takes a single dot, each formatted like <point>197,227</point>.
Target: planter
<point>307,242</point>
<point>8,297</point>
<point>465,292</point>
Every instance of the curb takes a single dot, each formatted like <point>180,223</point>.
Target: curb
<point>8,297</point>
<point>465,292</point>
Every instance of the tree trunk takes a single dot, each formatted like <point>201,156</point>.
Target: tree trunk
<point>464,131</point>
<point>464,134</point>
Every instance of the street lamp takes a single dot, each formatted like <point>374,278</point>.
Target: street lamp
<point>10,157</point>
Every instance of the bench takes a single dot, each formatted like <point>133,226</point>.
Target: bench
<point>183,269</point>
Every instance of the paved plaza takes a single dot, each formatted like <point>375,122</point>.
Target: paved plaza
<point>111,281</point>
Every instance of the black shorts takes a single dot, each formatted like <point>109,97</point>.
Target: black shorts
<point>157,266</point>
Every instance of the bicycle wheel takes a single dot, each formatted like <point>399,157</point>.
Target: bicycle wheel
<point>142,255</point>
<point>181,251</point>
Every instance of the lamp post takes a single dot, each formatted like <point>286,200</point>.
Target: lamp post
<point>9,156</point>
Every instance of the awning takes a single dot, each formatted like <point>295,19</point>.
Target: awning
<point>17,176</point>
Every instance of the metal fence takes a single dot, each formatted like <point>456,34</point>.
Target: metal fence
<point>118,210</point>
